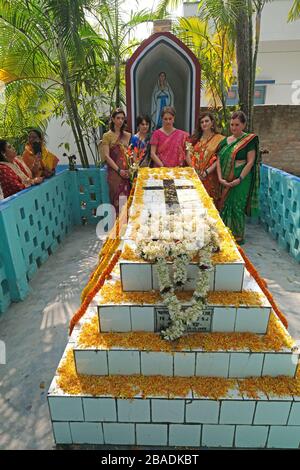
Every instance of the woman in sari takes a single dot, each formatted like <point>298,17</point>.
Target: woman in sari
<point>168,145</point>
<point>14,174</point>
<point>37,157</point>
<point>205,142</point>
<point>114,147</point>
<point>140,142</point>
<point>238,172</point>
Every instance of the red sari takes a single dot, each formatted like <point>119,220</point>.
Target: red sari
<point>14,177</point>
<point>118,186</point>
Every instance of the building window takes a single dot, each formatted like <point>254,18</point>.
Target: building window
<point>259,95</point>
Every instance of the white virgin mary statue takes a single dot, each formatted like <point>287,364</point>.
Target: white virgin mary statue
<point>162,96</point>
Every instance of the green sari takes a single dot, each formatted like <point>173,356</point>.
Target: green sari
<point>234,203</point>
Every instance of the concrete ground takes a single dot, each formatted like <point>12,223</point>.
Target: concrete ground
<point>36,330</point>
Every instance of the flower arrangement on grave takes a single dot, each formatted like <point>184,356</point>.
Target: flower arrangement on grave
<point>174,238</point>
<point>134,157</point>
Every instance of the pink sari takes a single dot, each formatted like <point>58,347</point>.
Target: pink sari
<point>170,149</point>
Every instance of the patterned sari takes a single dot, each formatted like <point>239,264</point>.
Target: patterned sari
<point>234,203</point>
<point>118,186</point>
<point>203,155</point>
<point>170,149</point>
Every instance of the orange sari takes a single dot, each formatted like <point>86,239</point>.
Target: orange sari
<point>203,156</point>
<point>48,160</point>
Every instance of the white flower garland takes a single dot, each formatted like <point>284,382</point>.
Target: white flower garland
<point>181,253</point>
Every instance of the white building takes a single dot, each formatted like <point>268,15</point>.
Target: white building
<point>278,65</point>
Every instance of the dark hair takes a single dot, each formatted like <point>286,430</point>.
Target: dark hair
<point>3,144</point>
<point>141,118</point>
<point>36,131</point>
<point>113,115</point>
<point>160,73</point>
<point>198,131</point>
<point>240,115</point>
<point>168,109</point>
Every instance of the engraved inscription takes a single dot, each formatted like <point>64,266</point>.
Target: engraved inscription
<point>162,320</point>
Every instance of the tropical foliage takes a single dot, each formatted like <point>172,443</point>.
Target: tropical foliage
<point>294,13</point>
<point>63,58</point>
<point>211,36</point>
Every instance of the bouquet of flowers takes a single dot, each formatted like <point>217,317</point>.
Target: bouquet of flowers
<point>134,157</point>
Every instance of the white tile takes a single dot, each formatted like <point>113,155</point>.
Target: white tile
<point>212,364</point>
<point>252,319</point>
<point>152,434</point>
<point>136,277</point>
<point>279,364</point>
<point>217,435</point>
<point>237,412</point>
<point>142,318</point>
<point>246,365</point>
<point>184,364</point>
<point>114,318</point>
<point>119,433</point>
<point>123,362</point>
<point>86,433</point>
<point>155,276</point>
<point>251,436</point>
<point>202,411</point>
<point>156,363</point>
<point>223,319</point>
<point>229,277</point>
<point>99,409</point>
<point>272,412</point>
<point>91,362</point>
<point>134,410</point>
<point>66,408</point>
<point>284,437</point>
<point>62,434</point>
<point>184,435</point>
<point>167,411</point>
<point>294,418</point>
<point>192,277</point>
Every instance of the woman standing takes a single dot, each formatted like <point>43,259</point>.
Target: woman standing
<point>238,172</point>
<point>37,157</point>
<point>114,146</point>
<point>205,141</point>
<point>14,174</point>
<point>168,144</point>
<point>140,142</point>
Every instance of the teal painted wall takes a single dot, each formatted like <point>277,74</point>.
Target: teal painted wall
<point>35,221</point>
<point>280,208</point>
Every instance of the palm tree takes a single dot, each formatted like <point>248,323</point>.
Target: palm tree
<point>294,13</point>
<point>116,29</point>
<point>45,43</point>
<point>213,44</point>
